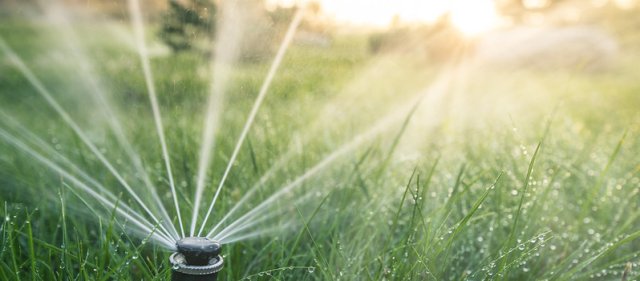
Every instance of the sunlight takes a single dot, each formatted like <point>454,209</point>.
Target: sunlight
<point>378,13</point>
<point>383,12</point>
<point>474,17</point>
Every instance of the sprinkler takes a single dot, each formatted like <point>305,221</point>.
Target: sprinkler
<point>196,259</point>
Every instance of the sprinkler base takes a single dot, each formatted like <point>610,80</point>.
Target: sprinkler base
<point>197,259</point>
<point>181,271</point>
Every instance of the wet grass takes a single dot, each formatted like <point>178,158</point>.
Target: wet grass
<point>521,176</point>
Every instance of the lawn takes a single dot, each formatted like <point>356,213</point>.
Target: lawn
<point>399,168</point>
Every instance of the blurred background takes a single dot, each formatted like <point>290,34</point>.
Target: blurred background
<point>537,33</point>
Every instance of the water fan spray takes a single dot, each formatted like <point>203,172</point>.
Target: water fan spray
<point>196,259</point>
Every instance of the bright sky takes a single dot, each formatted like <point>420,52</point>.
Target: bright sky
<point>470,16</point>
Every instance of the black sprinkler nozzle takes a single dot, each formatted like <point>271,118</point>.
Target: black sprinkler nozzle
<point>196,259</point>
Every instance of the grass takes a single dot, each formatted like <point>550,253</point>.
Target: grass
<point>521,176</point>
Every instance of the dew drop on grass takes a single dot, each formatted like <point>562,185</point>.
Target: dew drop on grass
<point>311,269</point>
<point>521,247</point>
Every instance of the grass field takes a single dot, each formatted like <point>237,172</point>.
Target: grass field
<point>496,174</point>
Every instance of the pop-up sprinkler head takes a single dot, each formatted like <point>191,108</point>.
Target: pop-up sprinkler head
<point>196,259</point>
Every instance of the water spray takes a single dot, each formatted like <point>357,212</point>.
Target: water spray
<point>196,259</point>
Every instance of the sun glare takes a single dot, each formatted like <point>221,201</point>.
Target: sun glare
<point>471,17</point>
<point>474,17</point>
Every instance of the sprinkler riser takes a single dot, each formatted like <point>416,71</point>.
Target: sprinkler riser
<point>196,259</point>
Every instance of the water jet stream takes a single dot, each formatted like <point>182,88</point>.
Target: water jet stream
<point>258,219</point>
<point>38,142</point>
<point>99,93</point>
<point>267,175</point>
<point>26,72</point>
<point>254,110</point>
<point>143,224</point>
<point>315,169</point>
<point>435,90</point>
<point>136,18</point>
<point>225,55</point>
<point>327,111</point>
<point>256,233</point>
